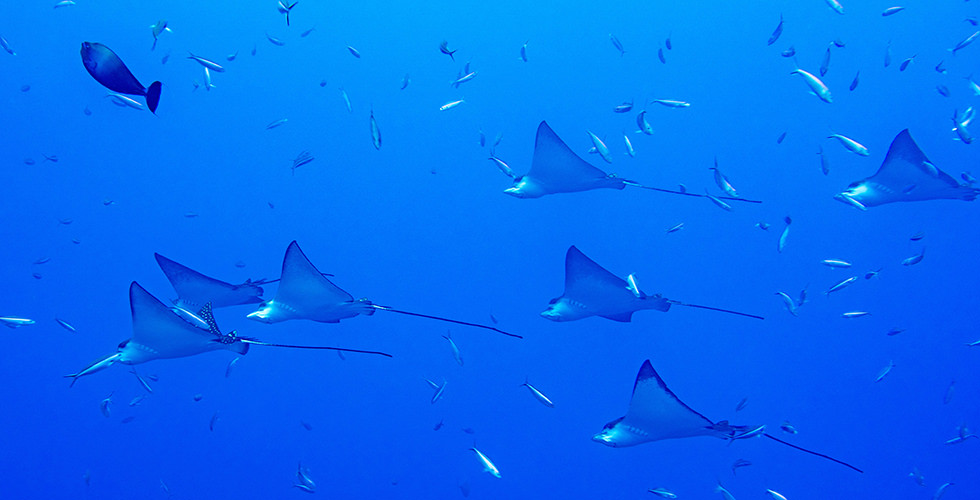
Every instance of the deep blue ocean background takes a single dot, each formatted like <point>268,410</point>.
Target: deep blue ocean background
<point>422,225</point>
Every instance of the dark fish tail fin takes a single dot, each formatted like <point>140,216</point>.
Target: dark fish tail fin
<point>153,96</point>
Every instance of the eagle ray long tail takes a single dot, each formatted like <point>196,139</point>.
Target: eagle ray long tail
<point>258,342</point>
<point>729,311</point>
<point>437,318</point>
<point>832,459</point>
<point>662,190</point>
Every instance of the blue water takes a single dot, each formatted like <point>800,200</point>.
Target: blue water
<point>422,225</point>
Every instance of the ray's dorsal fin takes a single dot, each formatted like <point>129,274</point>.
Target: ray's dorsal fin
<point>658,411</point>
<point>302,283</point>
<point>554,163</point>
<point>195,289</point>
<point>905,163</point>
<point>583,277</point>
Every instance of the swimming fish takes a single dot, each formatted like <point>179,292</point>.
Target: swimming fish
<point>855,314</point>
<point>718,202</point>
<point>784,237</point>
<point>286,8</point>
<point>835,263</point>
<point>629,146</point>
<point>885,371</point>
<point>915,259</point>
<point>354,52</point>
<point>600,147</point>
<point>660,55</point>
<point>671,103</point>
<point>158,29</point>
<point>905,165</point>
<point>12,322</point>
<point>616,43</point>
<point>892,11</point>
<point>343,94</point>
<point>817,87</point>
<point>962,44</point>
<point>788,302</point>
<point>455,349</point>
<point>66,325</point>
<point>524,51</point>
<point>375,132</point>
<point>834,4</point>
<point>676,227</point>
<point>503,167</point>
<point>643,124</point>
<point>841,284</point>
<point>722,182</point>
<point>109,70</point>
<point>444,48</point>
<point>625,107</point>
<point>825,63</point>
<point>854,82</point>
<point>663,493</point>
<point>538,394</point>
<point>405,81</point>
<point>99,365</point>
<point>776,32</point>
<point>851,145</point>
<point>451,105</point>
<point>741,462</point>
<point>213,66</point>
<point>6,46</point>
<point>488,466</point>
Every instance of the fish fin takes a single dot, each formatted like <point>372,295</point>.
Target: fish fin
<point>153,96</point>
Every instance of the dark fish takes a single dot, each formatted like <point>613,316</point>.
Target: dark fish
<point>825,64</point>
<point>854,82</point>
<point>444,48</point>
<point>776,32</point>
<point>838,43</point>
<point>918,236</point>
<point>905,63</point>
<point>779,140</point>
<point>667,43</point>
<point>790,52</point>
<point>109,70</point>
<point>943,91</point>
<point>940,68</point>
<point>306,425</point>
<point>888,55</point>
<point>740,463</point>
<point>892,10</point>
<point>741,404</point>
<point>660,55</point>
<point>437,426</point>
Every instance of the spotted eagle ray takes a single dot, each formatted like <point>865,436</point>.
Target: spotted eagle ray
<point>160,333</point>
<point>656,413</point>
<point>591,290</point>
<point>306,293</point>
<point>555,168</point>
<point>905,175</point>
<point>195,289</point>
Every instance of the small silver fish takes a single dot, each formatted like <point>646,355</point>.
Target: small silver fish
<point>12,322</point>
<point>451,105</point>
<point>835,263</point>
<point>851,145</point>
<point>213,421</point>
<point>917,476</point>
<point>343,94</point>
<point>855,314</point>
<point>721,204</point>
<point>629,146</point>
<point>818,88</point>
<point>939,492</point>
<point>213,66</point>
<point>963,43</point>
<point>775,494</point>
<point>722,182</point>
<point>892,11</point>
<point>741,404</point>
<point>488,466</point>
<point>841,284</point>
<point>66,325</point>
<point>672,103</point>
<point>625,107</point>
<point>405,81</point>
<point>788,427</point>
<point>538,394</point>
<point>524,51</point>
<point>784,237</point>
<point>142,382</point>
<point>663,493</point>
<point>6,46</point>
<point>776,32</point>
<point>509,172</point>
<point>788,302</point>
<point>353,52</point>
<point>452,345</point>
<point>674,228</point>
<point>137,400</point>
